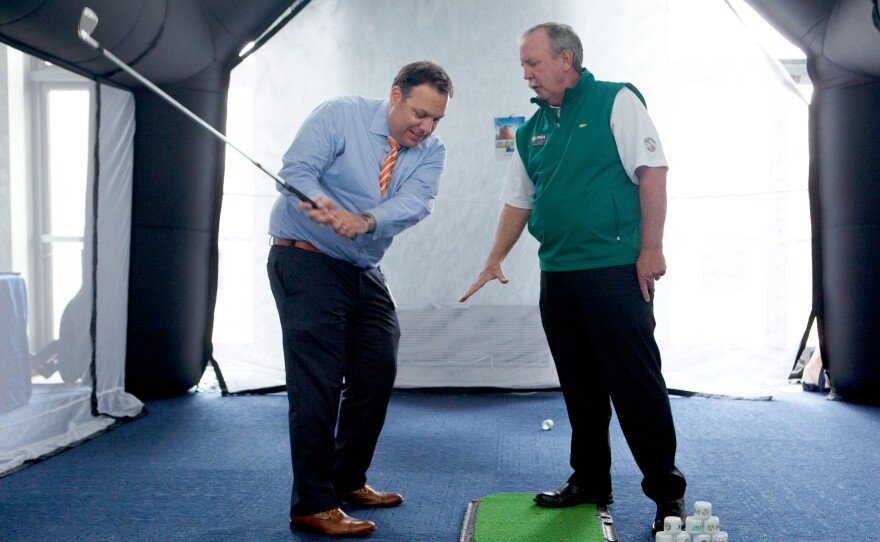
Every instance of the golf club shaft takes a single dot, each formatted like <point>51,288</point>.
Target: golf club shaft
<point>147,83</point>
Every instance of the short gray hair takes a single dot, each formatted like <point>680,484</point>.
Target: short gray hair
<point>562,37</point>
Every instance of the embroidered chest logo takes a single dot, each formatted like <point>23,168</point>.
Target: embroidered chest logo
<point>650,144</point>
<point>538,140</point>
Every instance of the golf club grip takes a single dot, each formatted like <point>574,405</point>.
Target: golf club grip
<point>300,195</point>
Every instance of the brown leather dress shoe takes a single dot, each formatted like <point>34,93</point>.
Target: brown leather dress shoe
<point>333,522</point>
<point>367,496</point>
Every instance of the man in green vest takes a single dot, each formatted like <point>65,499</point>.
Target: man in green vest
<point>590,183</point>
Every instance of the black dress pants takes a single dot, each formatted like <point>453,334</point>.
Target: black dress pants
<point>341,336</point>
<point>601,334</point>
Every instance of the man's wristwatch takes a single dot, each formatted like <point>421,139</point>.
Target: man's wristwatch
<point>371,222</point>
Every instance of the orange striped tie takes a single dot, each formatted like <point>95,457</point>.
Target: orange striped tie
<point>388,165</point>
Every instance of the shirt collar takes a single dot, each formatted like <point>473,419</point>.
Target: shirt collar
<point>379,125</point>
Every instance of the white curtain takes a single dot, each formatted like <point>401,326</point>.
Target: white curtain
<point>58,410</point>
<point>732,307</point>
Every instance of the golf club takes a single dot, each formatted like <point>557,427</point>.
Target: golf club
<point>87,23</point>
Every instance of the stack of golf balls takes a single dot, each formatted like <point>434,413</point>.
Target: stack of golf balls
<point>700,527</point>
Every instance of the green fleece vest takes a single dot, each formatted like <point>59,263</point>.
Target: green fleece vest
<point>585,212</point>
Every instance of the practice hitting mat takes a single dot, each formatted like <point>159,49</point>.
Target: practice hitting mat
<point>514,517</point>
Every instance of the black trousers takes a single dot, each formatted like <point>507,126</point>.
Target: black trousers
<point>341,336</point>
<point>601,334</point>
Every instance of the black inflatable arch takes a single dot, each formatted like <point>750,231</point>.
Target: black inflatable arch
<point>842,43</point>
<point>189,47</point>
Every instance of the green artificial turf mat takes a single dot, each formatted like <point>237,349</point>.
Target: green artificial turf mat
<point>514,517</point>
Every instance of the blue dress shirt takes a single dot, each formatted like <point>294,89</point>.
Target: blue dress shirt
<point>337,153</point>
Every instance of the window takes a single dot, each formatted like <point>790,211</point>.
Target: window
<point>49,161</point>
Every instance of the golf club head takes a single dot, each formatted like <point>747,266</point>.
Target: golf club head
<point>87,23</point>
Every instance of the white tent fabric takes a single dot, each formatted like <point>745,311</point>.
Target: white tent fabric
<point>58,413</point>
<point>732,307</point>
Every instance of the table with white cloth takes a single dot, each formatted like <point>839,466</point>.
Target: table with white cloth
<point>15,361</point>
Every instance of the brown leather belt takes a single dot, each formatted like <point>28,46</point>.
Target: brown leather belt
<point>305,245</point>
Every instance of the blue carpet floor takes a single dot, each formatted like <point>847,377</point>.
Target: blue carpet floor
<point>208,468</point>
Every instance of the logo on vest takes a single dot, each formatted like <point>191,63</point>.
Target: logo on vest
<point>538,140</point>
<point>650,144</point>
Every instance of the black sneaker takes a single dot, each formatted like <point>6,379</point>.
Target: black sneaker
<point>570,495</point>
<point>666,509</point>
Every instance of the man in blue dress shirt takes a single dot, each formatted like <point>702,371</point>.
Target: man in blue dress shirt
<point>373,168</point>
